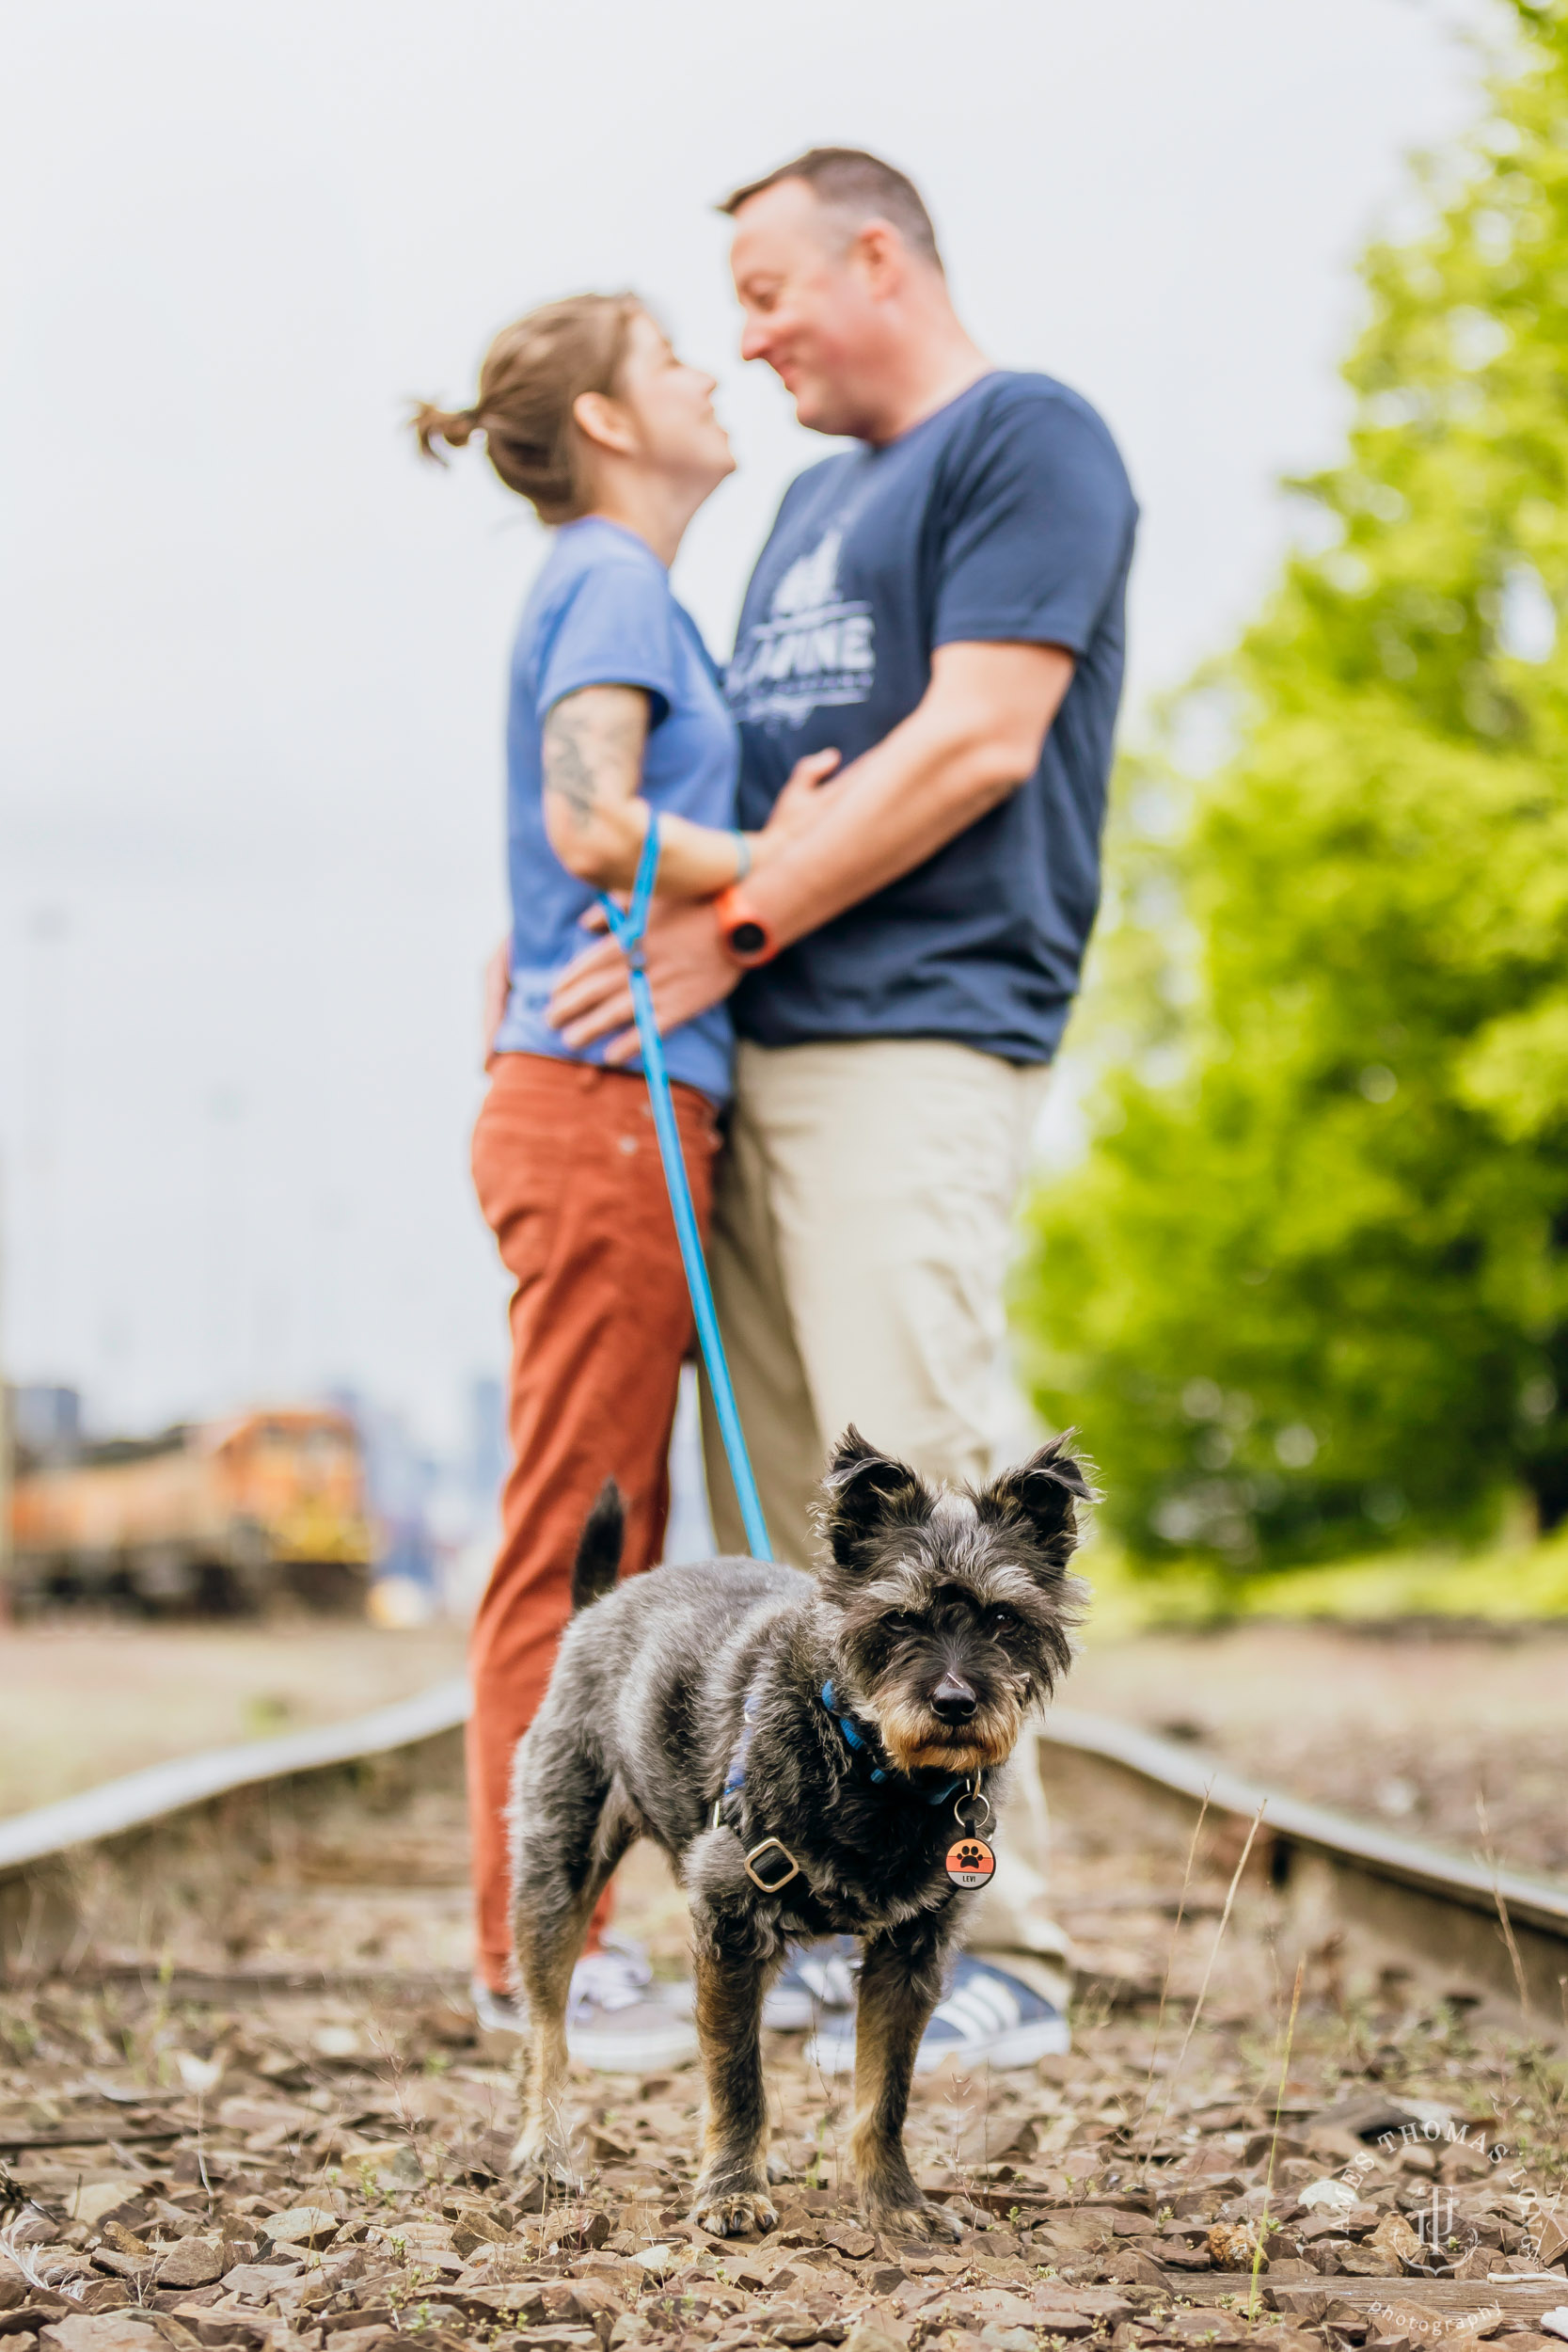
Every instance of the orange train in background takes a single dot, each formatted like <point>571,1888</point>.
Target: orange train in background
<point>223,1515</point>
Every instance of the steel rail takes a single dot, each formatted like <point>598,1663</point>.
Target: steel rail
<point>1411,1896</point>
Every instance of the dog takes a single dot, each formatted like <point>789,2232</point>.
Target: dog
<point>796,1744</point>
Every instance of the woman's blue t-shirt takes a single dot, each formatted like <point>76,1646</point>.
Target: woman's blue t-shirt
<point>602,614</point>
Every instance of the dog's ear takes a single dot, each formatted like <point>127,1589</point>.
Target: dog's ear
<point>1043,1493</point>
<point>865,1492</point>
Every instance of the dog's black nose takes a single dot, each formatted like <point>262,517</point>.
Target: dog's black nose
<point>953,1699</point>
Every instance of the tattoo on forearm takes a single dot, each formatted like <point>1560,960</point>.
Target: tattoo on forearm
<point>577,751</point>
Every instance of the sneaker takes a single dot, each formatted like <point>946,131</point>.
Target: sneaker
<point>498,2012</point>
<point>987,2019</point>
<point>816,1977</point>
<point>619,2021</point>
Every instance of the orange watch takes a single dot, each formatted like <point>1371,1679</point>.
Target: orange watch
<point>743,930</point>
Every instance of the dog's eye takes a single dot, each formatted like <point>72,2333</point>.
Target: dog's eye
<point>900,1623</point>
<point>1001,1620</point>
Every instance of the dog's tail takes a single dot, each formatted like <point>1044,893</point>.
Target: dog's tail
<point>598,1560</point>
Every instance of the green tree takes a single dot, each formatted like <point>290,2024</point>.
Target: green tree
<point>1309,1289</point>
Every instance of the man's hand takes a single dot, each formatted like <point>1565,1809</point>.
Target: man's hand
<point>802,801</point>
<point>688,971</point>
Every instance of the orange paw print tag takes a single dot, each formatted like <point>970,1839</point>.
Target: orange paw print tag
<point>970,1863</point>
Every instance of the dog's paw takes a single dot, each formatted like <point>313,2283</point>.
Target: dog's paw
<point>922,2219</point>
<point>734,2213</point>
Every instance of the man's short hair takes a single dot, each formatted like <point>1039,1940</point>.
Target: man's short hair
<point>860,187</point>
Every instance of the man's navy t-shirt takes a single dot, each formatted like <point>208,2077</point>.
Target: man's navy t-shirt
<point>1005,517</point>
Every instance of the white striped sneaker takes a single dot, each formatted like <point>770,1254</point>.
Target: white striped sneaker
<point>620,2018</point>
<point>987,2019</point>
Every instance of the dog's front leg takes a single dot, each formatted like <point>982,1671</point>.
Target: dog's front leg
<point>900,1982</point>
<point>732,1975</point>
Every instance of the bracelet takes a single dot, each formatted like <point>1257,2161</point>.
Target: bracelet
<point>743,930</point>
<point>743,855</point>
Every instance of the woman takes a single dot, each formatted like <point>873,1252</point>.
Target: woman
<point>616,710</point>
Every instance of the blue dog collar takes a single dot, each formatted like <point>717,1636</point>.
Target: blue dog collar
<point>858,1744</point>
<point>854,1739</point>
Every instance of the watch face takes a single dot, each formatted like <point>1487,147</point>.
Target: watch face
<point>748,939</point>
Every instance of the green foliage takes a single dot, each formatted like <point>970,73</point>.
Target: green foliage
<point>1308,1290</point>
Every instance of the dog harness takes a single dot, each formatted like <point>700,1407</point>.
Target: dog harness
<point>773,1850</point>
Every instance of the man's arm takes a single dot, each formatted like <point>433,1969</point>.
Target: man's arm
<point>972,738</point>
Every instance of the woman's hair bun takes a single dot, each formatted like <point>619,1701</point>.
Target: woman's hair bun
<point>456,427</point>
<point>533,375</point>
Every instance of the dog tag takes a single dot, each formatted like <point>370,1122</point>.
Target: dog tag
<point>970,1863</point>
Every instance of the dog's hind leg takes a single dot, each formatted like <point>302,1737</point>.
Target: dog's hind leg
<point>900,1984</point>
<point>567,1842</point>
<point>732,1975</point>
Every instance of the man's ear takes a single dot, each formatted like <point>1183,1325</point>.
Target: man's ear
<point>1042,1493</point>
<point>865,1492</point>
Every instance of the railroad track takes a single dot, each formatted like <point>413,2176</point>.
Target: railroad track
<point>154,1841</point>
<point>235,2050</point>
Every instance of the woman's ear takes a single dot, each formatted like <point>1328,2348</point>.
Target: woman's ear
<point>604,421</point>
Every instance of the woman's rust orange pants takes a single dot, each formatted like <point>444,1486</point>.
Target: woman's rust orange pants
<point>567,1171</point>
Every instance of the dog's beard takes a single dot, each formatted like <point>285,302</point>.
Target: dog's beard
<point>916,1738</point>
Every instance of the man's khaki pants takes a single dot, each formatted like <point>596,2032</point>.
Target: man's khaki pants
<point>862,1224</point>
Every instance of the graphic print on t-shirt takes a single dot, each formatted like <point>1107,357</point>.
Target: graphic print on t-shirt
<point>1005,517</point>
<point>816,647</point>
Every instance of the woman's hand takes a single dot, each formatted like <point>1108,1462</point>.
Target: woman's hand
<point>497,987</point>
<point>801,803</point>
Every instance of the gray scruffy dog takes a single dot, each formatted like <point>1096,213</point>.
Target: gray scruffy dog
<point>794,1744</point>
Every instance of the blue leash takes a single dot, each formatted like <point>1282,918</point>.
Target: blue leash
<point>627,931</point>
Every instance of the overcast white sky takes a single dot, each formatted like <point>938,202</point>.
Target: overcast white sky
<point>251,773</point>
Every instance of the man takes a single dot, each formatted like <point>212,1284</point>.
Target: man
<point>944,605</point>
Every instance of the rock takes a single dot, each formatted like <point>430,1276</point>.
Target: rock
<point>1008,2338</point>
<point>105,2331</point>
<point>125,2241</point>
<point>871,2335</point>
<point>1058,2320</point>
<point>1328,2196</point>
<point>847,2237</point>
<point>1368,2262</point>
<point>1129,2270</point>
<point>196,2262</point>
<point>256,2280</point>
<point>96,2199</point>
<point>1232,2245</point>
<point>1205,2326</point>
<point>660,2262</point>
<point>301,2225</point>
<point>476,2229</point>
<point>1395,2236</point>
<point>1551,2238</point>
